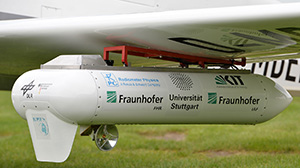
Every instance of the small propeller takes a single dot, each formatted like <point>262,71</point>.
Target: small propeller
<point>106,137</point>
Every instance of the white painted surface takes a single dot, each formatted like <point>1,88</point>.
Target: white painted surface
<point>51,137</point>
<point>72,8</point>
<point>82,97</point>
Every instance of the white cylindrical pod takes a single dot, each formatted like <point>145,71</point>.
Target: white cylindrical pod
<point>68,94</point>
<point>93,97</point>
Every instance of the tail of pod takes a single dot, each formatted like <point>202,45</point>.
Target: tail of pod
<point>52,138</point>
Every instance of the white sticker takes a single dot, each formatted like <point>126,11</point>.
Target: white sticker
<point>41,126</point>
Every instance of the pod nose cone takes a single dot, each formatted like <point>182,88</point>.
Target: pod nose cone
<point>278,99</point>
<point>282,97</point>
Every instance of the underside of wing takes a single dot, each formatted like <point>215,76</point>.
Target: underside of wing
<point>257,33</point>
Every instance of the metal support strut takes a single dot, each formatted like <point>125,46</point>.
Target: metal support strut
<point>183,59</point>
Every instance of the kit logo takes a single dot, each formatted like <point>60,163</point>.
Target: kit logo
<point>28,87</point>
<point>111,97</point>
<point>229,79</point>
<point>110,79</point>
<point>212,98</point>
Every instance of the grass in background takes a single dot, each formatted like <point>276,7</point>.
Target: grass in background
<point>275,143</point>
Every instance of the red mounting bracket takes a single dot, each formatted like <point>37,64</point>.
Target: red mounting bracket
<point>183,59</point>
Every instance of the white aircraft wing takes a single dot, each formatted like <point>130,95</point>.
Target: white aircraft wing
<point>258,33</point>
